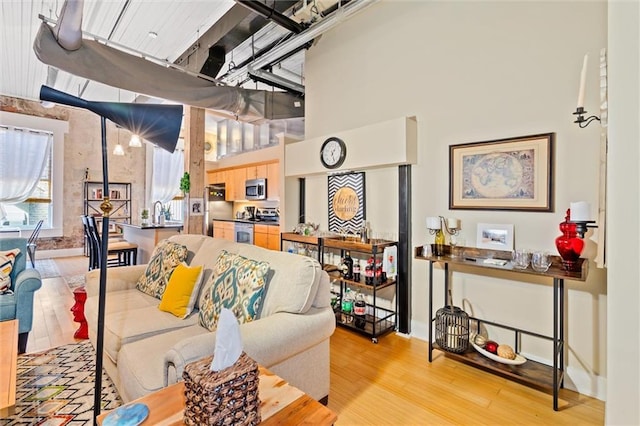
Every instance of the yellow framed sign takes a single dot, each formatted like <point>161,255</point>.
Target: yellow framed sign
<point>347,212</point>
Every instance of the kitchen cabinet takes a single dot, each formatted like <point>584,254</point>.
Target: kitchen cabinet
<point>380,317</point>
<point>223,229</point>
<point>273,181</point>
<point>531,373</point>
<point>234,179</point>
<point>255,172</point>
<point>267,236</point>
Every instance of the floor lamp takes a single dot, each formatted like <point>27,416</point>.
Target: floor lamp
<point>158,124</point>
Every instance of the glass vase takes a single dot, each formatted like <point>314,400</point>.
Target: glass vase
<point>569,245</point>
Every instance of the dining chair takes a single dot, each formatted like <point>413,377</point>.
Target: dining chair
<point>32,243</point>
<point>126,253</point>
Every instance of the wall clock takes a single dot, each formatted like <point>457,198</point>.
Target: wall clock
<point>333,153</point>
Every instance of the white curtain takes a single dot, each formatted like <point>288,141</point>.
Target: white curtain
<point>168,168</point>
<point>23,156</point>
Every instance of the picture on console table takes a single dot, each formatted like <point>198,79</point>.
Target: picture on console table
<point>505,174</point>
<point>347,212</point>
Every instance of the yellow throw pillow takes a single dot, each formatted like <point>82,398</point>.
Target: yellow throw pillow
<point>182,290</point>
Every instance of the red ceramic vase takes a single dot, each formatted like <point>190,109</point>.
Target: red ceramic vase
<point>569,245</point>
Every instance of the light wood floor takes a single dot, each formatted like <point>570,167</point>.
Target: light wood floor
<point>389,383</point>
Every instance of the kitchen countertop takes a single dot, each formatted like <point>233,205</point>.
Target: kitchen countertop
<point>254,222</point>
<point>169,224</point>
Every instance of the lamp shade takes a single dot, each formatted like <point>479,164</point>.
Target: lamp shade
<point>159,124</point>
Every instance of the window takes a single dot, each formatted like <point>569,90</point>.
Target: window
<point>165,184</point>
<point>26,153</point>
<point>54,205</point>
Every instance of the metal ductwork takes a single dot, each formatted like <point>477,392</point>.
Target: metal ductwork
<point>273,15</point>
<point>300,40</point>
<point>235,26</point>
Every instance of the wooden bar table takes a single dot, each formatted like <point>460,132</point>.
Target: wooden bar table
<point>8,366</point>
<point>280,404</point>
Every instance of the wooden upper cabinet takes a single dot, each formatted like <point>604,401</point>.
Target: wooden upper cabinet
<point>234,179</point>
<point>273,181</point>
<point>238,177</point>
<point>257,172</point>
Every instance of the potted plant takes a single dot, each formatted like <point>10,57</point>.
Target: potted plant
<point>185,183</point>
<point>144,215</point>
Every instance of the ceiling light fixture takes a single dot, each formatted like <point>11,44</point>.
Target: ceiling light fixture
<point>118,150</point>
<point>135,142</point>
<point>153,34</point>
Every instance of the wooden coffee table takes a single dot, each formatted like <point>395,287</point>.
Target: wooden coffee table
<point>280,403</point>
<point>8,366</point>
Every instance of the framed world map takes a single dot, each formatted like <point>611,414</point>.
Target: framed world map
<point>505,174</point>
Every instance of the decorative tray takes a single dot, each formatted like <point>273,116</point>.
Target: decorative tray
<point>127,415</point>
<point>518,361</point>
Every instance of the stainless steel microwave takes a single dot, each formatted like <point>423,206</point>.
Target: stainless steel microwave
<point>255,189</point>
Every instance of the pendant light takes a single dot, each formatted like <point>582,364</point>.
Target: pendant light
<point>135,142</point>
<point>118,150</point>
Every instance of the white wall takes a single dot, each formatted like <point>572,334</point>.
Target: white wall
<point>469,72</point>
<point>623,238</point>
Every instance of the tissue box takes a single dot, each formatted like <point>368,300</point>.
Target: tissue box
<point>226,397</point>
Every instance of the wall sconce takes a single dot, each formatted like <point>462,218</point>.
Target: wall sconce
<point>435,225</point>
<point>580,112</point>
<point>583,122</point>
<point>579,214</point>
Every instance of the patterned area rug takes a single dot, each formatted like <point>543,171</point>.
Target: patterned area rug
<point>55,387</point>
<point>47,268</point>
<point>74,281</point>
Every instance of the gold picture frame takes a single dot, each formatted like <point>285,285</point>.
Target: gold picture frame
<point>505,174</point>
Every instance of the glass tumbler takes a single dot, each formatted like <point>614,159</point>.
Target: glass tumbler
<point>520,258</point>
<point>540,261</point>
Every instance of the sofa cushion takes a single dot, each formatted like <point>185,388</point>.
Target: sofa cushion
<point>294,284</point>
<point>7,259</point>
<point>180,296</point>
<point>237,283</point>
<point>124,327</point>
<point>141,364</point>
<point>164,259</point>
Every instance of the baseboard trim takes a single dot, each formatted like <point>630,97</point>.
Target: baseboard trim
<point>50,254</point>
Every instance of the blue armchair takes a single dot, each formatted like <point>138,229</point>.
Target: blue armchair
<point>24,283</point>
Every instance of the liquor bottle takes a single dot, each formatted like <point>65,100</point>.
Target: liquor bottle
<point>439,243</point>
<point>347,307</point>
<point>348,261</point>
<point>360,310</point>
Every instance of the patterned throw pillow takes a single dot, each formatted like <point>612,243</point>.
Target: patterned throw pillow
<point>237,283</point>
<point>7,259</point>
<point>164,259</point>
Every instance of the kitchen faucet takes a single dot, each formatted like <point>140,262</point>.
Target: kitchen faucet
<point>156,218</point>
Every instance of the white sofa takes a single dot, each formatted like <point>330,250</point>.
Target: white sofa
<point>146,349</point>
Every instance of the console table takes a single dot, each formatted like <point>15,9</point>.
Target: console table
<point>531,373</point>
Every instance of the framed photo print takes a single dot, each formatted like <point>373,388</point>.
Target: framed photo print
<point>495,237</point>
<point>347,212</point>
<point>196,206</point>
<point>505,174</point>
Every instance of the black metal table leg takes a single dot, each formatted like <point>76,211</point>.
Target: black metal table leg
<point>430,310</point>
